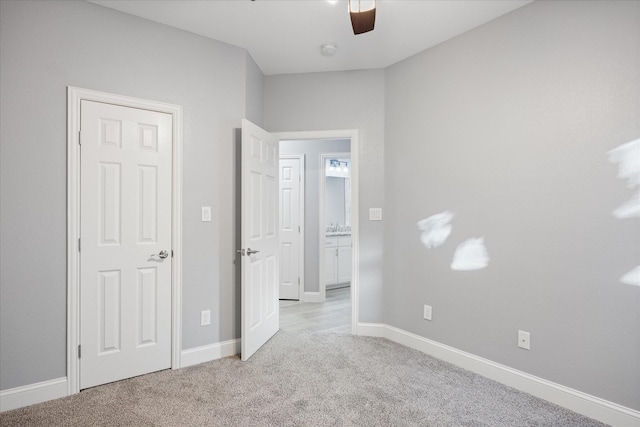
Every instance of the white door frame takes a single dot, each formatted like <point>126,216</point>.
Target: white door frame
<point>301,159</point>
<point>74,96</point>
<point>323,213</point>
<point>353,135</point>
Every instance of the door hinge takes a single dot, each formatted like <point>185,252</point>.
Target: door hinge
<point>79,137</point>
<point>171,253</point>
<point>79,351</point>
<point>79,245</point>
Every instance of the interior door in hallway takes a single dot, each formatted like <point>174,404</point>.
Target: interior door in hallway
<point>291,214</point>
<point>125,245</point>
<point>259,238</point>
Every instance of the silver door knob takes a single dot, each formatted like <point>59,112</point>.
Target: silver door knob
<point>163,254</point>
<point>251,251</point>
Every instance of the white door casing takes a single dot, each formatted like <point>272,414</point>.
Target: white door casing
<point>125,264</point>
<point>259,238</point>
<point>76,96</point>
<point>291,220</point>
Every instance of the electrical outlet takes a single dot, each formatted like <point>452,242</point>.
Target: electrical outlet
<point>524,340</point>
<point>206,213</point>
<point>205,317</point>
<point>427,312</point>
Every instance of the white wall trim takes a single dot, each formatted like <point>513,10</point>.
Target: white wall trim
<point>31,394</point>
<point>311,297</point>
<point>354,135</point>
<point>206,353</point>
<point>577,401</point>
<point>378,330</point>
<point>74,96</point>
<point>53,389</point>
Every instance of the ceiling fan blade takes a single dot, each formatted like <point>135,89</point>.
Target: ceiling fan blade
<point>363,22</point>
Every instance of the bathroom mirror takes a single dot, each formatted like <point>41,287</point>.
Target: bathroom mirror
<point>338,195</point>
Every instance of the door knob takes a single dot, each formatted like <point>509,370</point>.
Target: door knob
<point>163,254</point>
<point>251,251</point>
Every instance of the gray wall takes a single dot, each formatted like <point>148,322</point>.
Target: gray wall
<point>254,94</point>
<point>342,100</point>
<point>508,126</point>
<point>312,150</point>
<point>46,46</point>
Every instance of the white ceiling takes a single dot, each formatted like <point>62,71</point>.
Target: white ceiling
<point>284,36</point>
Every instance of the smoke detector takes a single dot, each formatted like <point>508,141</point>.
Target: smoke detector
<point>328,49</point>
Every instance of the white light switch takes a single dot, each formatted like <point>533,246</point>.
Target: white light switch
<point>428,310</point>
<point>206,213</point>
<point>375,214</point>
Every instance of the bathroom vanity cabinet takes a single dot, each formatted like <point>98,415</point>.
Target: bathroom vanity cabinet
<point>337,259</point>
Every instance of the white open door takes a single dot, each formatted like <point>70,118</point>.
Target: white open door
<point>259,238</point>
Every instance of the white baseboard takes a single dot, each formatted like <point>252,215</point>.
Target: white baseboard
<point>373,330</point>
<point>577,401</point>
<point>312,297</point>
<point>53,389</point>
<point>206,353</point>
<point>33,393</point>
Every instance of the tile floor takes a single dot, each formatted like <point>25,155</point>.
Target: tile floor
<point>334,315</point>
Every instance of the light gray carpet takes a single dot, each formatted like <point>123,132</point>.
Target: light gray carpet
<point>305,380</point>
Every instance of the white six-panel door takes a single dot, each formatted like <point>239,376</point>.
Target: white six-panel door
<point>125,277</point>
<point>259,238</point>
<point>290,230</point>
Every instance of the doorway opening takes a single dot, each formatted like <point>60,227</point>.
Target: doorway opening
<point>328,286</point>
